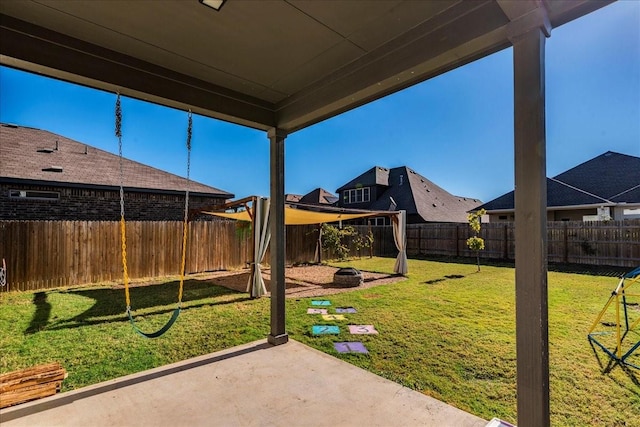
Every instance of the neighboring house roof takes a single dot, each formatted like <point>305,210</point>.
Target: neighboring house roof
<point>410,191</point>
<point>294,198</point>
<point>632,194</point>
<point>374,176</point>
<point>607,179</point>
<point>37,156</point>
<point>607,175</point>
<point>319,196</point>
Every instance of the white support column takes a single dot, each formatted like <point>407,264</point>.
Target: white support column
<point>532,338</point>
<point>278,334</point>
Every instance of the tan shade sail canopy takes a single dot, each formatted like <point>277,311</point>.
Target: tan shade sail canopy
<point>239,216</point>
<point>297,216</point>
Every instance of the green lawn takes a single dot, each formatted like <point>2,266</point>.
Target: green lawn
<point>446,331</point>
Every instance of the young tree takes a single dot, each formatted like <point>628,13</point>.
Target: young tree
<point>336,239</point>
<point>476,243</point>
<point>332,240</point>
<point>361,241</point>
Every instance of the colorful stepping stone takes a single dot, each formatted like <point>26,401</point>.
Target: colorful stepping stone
<point>316,311</point>
<point>333,317</point>
<point>350,347</point>
<point>321,302</point>
<point>325,330</point>
<point>362,329</point>
<point>346,310</point>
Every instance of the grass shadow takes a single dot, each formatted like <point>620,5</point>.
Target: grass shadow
<point>109,305</point>
<point>611,364</point>
<point>42,313</point>
<point>442,279</point>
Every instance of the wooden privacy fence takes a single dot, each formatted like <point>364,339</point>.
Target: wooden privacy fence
<point>46,254</point>
<point>612,243</point>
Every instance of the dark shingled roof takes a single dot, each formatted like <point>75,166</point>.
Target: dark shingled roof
<point>319,196</point>
<point>608,178</point>
<point>292,197</point>
<point>414,193</point>
<point>631,196</point>
<point>30,154</point>
<point>374,176</point>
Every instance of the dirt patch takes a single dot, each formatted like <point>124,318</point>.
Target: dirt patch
<point>303,281</point>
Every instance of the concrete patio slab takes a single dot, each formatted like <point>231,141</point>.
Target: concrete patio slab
<point>250,385</point>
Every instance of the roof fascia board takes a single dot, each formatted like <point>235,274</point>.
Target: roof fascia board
<point>19,181</point>
<point>42,51</point>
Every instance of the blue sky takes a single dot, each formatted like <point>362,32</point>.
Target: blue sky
<point>456,129</point>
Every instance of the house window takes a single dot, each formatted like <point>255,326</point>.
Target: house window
<point>378,221</point>
<point>34,195</point>
<point>357,195</point>
<point>502,217</point>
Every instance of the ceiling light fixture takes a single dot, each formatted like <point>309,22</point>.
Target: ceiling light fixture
<point>213,4</point>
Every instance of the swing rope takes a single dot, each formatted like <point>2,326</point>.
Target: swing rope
<point>123,235</point>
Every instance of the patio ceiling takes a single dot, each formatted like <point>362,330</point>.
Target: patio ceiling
<point>273,63</point>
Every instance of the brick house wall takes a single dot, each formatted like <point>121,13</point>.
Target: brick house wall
<point>85,204</point>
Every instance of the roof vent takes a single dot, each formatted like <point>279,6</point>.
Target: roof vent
<point>57,169</point>
<point>10,125</point>
<point>434,205</point>
<point>401,179</point>
<point>45,150</point>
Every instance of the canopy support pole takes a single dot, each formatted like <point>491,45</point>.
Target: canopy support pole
<point>278,334</point>
<point>532,336</point>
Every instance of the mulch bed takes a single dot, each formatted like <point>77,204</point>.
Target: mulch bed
<point>302,281</point>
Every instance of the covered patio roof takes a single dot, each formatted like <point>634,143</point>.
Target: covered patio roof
<point>265,64</point>
<point>283,65</point>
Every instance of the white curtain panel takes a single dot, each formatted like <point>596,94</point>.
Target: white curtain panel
<point>400,237</point>
<point>261,238</point>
